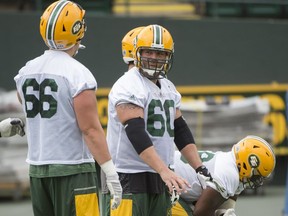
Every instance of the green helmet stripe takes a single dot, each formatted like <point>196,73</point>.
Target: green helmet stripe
<point>50,28</point>
<point>157,36</point>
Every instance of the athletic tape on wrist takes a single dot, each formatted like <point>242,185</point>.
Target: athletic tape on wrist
<point>108,168</point>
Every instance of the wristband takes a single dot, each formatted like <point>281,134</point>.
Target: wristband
<point>108,168</point>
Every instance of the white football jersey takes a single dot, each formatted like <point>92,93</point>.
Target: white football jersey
<point>159,106</point>
<point>223,169</point>
<point>47,86</point>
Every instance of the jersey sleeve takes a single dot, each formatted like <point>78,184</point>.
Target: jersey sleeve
<point>225,180</point>
<point>82,79</point>
<point>128,90</point>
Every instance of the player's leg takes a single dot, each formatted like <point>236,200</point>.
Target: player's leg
<point>76,195</point>
<point>138,204</point>
<point>181,209</point>
<point>125,208</point>
<point>41,197</point>
<point>105,204</point>
<point>143,204</point>
<point>160,204</point>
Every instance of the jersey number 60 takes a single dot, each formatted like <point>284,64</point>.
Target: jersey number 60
<point>154,119</point>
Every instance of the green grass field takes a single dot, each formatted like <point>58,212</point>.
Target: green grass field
<point>270,203</point>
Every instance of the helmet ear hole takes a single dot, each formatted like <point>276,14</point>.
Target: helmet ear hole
<point>244,166</point>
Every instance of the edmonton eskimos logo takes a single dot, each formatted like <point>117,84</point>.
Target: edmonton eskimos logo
<point>76,27</point>
<point>253,161</point>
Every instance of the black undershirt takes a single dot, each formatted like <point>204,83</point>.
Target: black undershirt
<point>145,182</point>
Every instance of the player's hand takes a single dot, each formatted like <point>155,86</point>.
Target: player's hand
<point>173,181</point>
<point>203,176</point>
<point>12,126</point>
<point>115,189</point>
<point>230,212</point>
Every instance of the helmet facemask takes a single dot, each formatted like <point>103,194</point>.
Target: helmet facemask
<point>153,52</point>
<point>154,68</point>
<point>255,181</point>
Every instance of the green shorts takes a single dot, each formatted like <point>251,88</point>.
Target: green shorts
<point>181,209</point>
<point>140,204</point>
<point>69,195</point>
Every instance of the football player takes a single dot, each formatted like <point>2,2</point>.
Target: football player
<point>247,165</point>
<point>127,46</point>
<point>63,128</point>
<point>11,126</point>
<point>144,121</point>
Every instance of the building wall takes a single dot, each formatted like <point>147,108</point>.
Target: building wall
<point>207,52</point>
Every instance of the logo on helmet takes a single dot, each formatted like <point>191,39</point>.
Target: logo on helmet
<point>253,161</point>
<point>76,27</point>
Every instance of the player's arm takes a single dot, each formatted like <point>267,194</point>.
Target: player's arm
<point>209,201</point>
<point>184,140</point>
<point>12,126</point>
<point>227,208</point>
<point>19,98</point>
<point>85,105</point>
<point>185,143</point>
<point>132,117</point>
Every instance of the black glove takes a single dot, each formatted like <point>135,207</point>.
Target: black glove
<point>203,176</point>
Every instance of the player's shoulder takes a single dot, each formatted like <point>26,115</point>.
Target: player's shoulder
<point>129,79</point>
<point>225,166</point>
<point>168,85</point>
<point>76,64</point>
<point>225,174</point>
<point>168,81</point>
<point>64,59</point>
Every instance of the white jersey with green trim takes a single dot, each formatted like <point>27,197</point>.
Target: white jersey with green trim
<point>47,86</point>
<point>159,106</point>
<point>223,169</point>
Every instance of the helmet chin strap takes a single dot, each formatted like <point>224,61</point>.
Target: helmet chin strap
<point>160,74</point>
<point>80,47</point>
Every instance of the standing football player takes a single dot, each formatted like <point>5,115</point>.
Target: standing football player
<point>127,46</point>
<point>63,129</point>
<point>144,121</point>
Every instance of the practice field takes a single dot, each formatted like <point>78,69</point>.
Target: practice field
<point>271,203</point>
<point>268,204</point>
